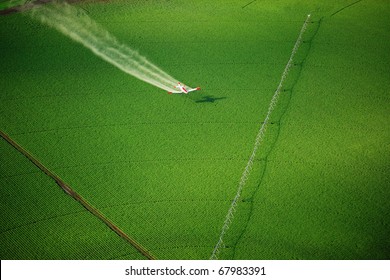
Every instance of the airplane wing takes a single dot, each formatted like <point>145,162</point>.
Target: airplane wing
<point>193,89</point>
<point>180,92</point>
<point>174,91</point>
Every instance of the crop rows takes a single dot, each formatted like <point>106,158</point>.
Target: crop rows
<point>165,168</point>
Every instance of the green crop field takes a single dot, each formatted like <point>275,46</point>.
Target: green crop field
<point>165,168</point>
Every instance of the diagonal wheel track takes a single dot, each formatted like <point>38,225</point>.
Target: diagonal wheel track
<point>94,211</point>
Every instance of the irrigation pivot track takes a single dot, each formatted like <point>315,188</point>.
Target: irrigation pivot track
<point>259,139</point>
<point>77,197</point>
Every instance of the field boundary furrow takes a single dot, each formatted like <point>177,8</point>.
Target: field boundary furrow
<point>103,94</point>
<point>345,7</point>
<point>258,140</point>
<point>248,4</point>
<point>134,124</point>
<point>65,187</point>
<point>150,160</point>
<point>19,174</point>
<point>41,220</point>
<point>163,201</point>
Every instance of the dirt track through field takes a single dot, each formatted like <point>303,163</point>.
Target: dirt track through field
<point>77,197</point>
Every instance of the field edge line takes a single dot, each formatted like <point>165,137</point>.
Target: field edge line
<point>67,189</point>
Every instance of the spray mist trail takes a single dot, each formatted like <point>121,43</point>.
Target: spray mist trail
<point>75,24</point>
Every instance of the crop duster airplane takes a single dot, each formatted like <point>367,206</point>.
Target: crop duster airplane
<point>183,89</point>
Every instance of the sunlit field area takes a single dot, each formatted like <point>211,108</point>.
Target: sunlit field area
<point>155,175</point>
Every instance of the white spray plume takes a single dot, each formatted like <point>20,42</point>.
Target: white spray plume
<point>74,23</point>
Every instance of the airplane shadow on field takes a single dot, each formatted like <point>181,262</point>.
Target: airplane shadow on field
<point>209,99</point>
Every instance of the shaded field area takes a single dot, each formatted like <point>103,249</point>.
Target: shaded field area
<point>165,168</point>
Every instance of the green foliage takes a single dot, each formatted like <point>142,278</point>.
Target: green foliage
<point>39,221</point>
<point>165,168</point>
